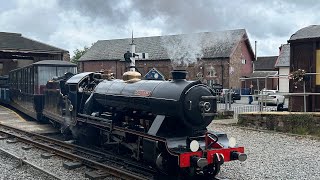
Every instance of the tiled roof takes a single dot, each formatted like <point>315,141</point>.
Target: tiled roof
<point>212,44</point>
<point>16,42</point>
<point>265,63</point>
<point>309,32</point>
<point>284,56</point>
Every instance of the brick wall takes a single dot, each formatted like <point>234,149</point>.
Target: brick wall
<point>220,66</point>
<point>119,67</point>
<point>246,69</point>
<point>237,68</point>
<point>165,67</point>
<point>227,71</point>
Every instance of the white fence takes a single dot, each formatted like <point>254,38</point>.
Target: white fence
<point>240,106</point>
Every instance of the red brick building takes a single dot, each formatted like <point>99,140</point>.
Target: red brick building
<point>219,57</point>
<point>18,51</point>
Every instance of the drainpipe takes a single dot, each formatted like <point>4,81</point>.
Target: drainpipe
<point>255,50</point>
<point>116,69</point>
<point>222,71</point>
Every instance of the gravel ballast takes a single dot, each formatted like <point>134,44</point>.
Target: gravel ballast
<point>271,155</point>
<point>10,167</point>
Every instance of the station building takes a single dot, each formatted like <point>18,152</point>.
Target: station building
<point>220,57</point>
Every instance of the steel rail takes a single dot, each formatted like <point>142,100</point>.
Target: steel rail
<point>75,148</point>
<point>53,141</point>
<point>123,174</point>
<point>24,161</point>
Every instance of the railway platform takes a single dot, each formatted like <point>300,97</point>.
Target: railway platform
<point>11,118</point>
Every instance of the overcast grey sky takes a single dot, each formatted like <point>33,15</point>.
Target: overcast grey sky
<point>72,24</point>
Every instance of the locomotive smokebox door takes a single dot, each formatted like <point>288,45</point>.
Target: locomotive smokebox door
<point>199,106</point>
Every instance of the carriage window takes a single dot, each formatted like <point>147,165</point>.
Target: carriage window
<point>1,68</point>
<point>19,79</point>
<point>24,82</point>
<point>45,74</point>
<point>31,81</point>
<point>62,70</point>
<point>35,80</point>
<point>15,80</point>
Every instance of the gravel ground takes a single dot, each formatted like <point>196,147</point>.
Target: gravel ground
<point>272,155</point>
<point>9,169</point>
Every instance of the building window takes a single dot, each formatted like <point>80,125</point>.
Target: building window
<point>211,72</point>
<point>243,61</point>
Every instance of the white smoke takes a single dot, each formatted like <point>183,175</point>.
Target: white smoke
<point>183,50</point>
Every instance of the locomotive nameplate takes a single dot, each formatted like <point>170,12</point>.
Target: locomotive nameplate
<point>142,93</point>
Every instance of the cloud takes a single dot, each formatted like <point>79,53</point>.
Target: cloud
<point>33,18</point>
<point>73,24</point>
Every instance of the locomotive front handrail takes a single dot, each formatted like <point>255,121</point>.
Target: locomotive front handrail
<point>209,97</point>
<point>208,138</point>
<point>209,114</point>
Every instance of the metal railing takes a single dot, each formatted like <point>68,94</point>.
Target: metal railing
<point>261,104</point>
<point>240,106</point>
<point>306,76</point>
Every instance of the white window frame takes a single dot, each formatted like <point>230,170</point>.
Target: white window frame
<point>211,72</point>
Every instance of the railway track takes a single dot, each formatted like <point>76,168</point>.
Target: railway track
<point>23,162</point>
<point>105,164</point>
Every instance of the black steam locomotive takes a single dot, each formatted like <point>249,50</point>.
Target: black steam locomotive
<point>162,123</point>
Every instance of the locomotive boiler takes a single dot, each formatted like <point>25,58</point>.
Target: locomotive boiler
<point>188,105</point>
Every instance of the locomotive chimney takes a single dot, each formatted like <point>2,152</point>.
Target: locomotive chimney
<point>179,74</point>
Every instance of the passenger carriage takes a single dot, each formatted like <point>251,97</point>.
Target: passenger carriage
<point>27,84</point>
